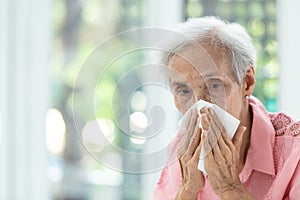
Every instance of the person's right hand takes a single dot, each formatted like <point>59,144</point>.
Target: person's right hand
<point>188,155</point>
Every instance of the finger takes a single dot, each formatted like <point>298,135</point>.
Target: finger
<point>204,121</point>
<point>183,152</point>
<point>228,148</point>
<point>222,132</point>
<point>192,123</point>
<point>181,146</point>
<point>212,146</point>
<point>181,167</point>
<point>206,145</point>
<point>216,164</point>
<point>196,156</point>
<point>197,153</point>
<point>184,143</point>
<point>212,136</point>
<point>223,148</point>
<point>195,140</point>
<point>181,149</point>
<point>215,148</point>
<point>213,132</point>
<point>209,161</point>
<point>238,137</point>
<point>192,118</point>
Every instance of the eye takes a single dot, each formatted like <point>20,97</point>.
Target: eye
<point>215,85</point>
<point>184,95</point>
<point>183,92</point>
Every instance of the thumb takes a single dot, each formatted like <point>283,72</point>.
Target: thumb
<point>238,137</point>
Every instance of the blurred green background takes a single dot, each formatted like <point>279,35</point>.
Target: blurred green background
<point>78,27</point>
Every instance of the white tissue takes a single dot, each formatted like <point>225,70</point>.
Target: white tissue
<point>229,122</point>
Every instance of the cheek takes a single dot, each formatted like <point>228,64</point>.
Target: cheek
<point>234,108</point>
<point>185,106</point>
<point>231,101</point>
<point>234,105</point>
<point>185,101</point>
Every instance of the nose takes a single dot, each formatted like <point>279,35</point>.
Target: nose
<point>202,96</point>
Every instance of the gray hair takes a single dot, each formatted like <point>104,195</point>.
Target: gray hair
<point>230,36</point>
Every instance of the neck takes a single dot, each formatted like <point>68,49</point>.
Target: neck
<point>246,121</point>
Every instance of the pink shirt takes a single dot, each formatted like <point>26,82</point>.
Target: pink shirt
<point>272,168</point>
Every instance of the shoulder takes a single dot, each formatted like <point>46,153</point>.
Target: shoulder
<point>286,148</point>
<point>285,125</point>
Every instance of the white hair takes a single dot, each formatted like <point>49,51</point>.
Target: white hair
<point>221,34</point>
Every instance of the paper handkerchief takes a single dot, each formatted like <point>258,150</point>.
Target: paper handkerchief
<point>229,122</point>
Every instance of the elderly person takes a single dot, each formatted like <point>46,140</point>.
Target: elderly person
<point>261,161</point>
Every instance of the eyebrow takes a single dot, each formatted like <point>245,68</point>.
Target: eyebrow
<point>208,76</point>
<point>178,83</point>
<point>205,76</point>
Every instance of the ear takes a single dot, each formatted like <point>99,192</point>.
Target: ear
<point>177,104</point>
<point>249,82</point>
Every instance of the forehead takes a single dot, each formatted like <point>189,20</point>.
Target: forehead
<point>200,62</point>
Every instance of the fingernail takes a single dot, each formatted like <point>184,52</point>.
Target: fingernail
<point>244,128</point>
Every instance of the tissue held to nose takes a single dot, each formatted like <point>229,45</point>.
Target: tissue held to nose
<point>229,122</point>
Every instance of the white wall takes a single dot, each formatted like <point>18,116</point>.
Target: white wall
<point>25,46</point>
<point>289,55</point>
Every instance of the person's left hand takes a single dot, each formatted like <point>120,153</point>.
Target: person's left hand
<point>222,156</point>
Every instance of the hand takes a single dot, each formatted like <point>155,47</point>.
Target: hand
<point>188,155</point>
<point>222,158</point>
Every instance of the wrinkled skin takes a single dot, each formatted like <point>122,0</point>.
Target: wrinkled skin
<point>208,76</point>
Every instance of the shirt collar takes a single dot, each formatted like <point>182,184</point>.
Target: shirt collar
<point>260,152</point>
